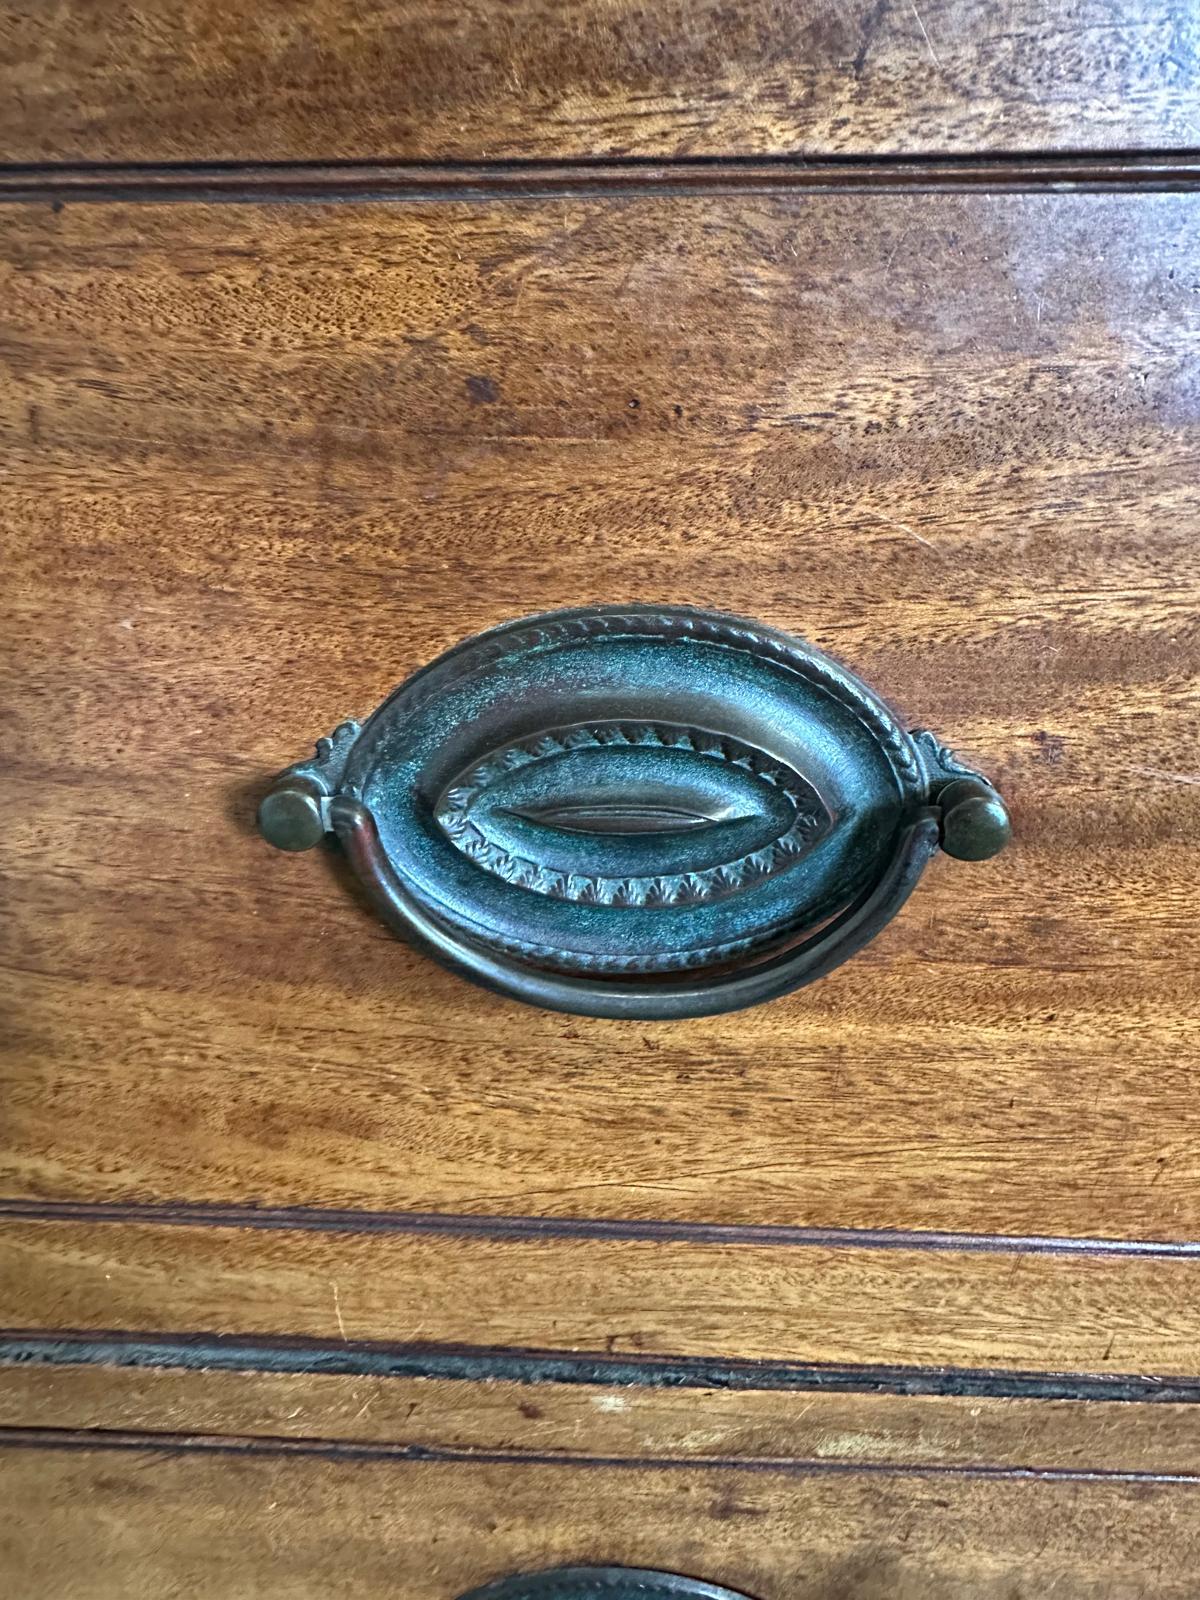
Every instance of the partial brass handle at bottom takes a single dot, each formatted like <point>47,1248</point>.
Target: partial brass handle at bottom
<point>600,1583</point>
<point>639,811</point>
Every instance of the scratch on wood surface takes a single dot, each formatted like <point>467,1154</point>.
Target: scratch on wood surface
<point>933,55</point>
<point>887,267</point>
<point>1167,777</point>
<point>882,516</point>
<point>609,1402</point>
<point>337,1310</point>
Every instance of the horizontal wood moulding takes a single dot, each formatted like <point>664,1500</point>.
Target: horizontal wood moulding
<point>1050,1313</point>
<point>533,180</point>
<point>617,1423</point>
<point>99,80</point>
<point>501,1226</point>
<point>265,461</point>
<point>242,1523</point>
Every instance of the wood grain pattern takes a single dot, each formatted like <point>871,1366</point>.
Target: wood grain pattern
<point>252,480</point>
<point>327,78</point>
<point>1006,1310</point>
<point>227,1525</point>
<point>263,460</point>
<point>599,1422</point>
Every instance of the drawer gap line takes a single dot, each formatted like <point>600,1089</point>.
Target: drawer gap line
<point>291,1355</point>
<point>85,1439</point>
<point>612,1229</point>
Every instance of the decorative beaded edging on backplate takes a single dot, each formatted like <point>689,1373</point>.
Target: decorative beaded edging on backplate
<point>513,639</point>
<point>941,762</point>
<point>667,889</point>
<point>682,623</point>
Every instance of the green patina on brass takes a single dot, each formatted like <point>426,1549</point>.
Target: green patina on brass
<point>636,811</point>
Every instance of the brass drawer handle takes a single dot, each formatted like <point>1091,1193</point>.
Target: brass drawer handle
<point>600,1583</point>
<point>636,811</point>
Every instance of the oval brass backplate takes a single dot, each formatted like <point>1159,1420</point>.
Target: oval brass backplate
<point>638,811</point>
<point>600,1583</point>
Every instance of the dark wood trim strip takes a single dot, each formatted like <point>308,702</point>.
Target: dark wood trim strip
<point>256,182</point>
<point>84,1439</point>
<point>482,1363</point>
<point>186,1214</point>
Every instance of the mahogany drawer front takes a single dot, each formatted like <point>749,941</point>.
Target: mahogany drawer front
<point>587,1291</point>
<point>107,1516</point>
<point>265,460</point>
<point>361,1280</point>
<point>305,1485</point>
<point>434,80</point>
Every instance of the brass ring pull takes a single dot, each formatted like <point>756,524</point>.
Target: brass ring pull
<point>636,811</point>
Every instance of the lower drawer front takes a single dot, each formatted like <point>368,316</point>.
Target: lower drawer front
<point>225,1519</point>
<point>121,1481</point>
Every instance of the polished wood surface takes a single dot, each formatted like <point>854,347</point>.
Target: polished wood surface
<point>975,1309</point>
<point>235,1522</point>
<point>430,79</point>
<point>324,1273</point>
<point>264,461</point>
<point>596,1422</point>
